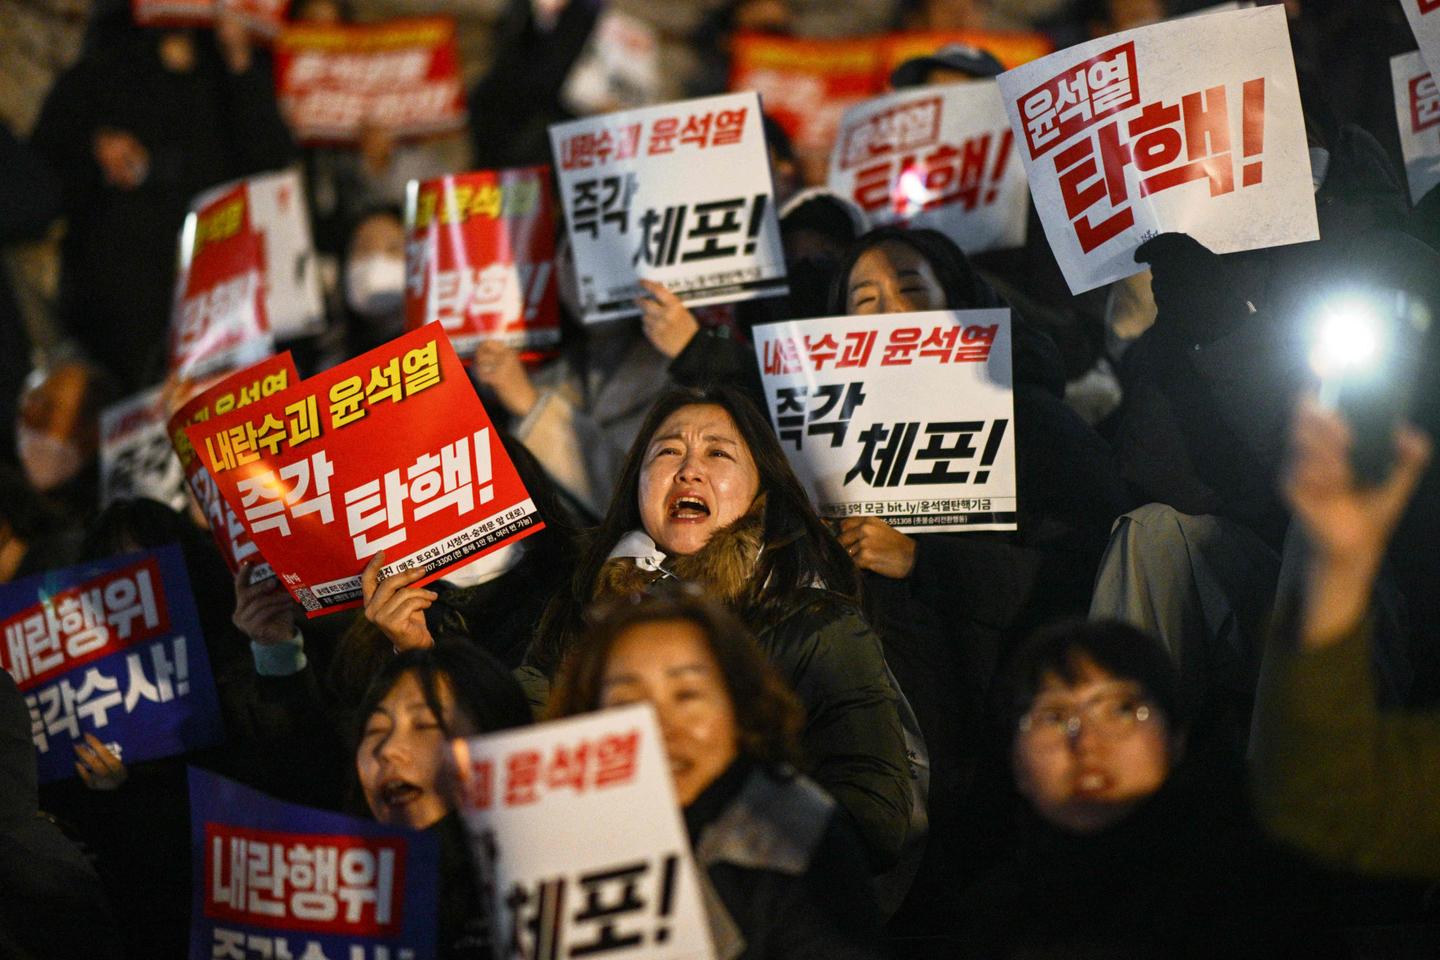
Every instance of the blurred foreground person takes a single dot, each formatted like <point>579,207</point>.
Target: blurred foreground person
<point>1333,775</point>
<point>1135,839</point>
<point>783,871</point>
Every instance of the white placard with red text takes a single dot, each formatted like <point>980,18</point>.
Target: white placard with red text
<point>1417,113</point>
<point>680,194</point>
<point>294,304</point>
<point>1424,17</point>
<point>619,69</point>
<point>941,157</point>
<point>579,840</point>
<point>906,416</point>
<point>1191,125</point>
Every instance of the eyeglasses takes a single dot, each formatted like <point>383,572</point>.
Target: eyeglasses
<point>1110,716</point>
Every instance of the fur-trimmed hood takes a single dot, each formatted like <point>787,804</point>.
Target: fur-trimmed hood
<point>724,567</point>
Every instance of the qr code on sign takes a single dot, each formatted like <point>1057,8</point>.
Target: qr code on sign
<point>306,598</point>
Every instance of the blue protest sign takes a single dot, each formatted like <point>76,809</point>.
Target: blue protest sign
<point>275,879</point>
<point>111,648</point>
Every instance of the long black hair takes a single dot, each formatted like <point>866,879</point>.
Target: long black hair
<point>964,288</point>
<point>799,550</point>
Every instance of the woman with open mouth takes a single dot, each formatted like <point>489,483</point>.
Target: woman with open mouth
<point>707,497</point>
<point>421,700</point>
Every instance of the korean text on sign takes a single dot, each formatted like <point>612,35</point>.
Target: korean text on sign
<point>579,840</point>
<point>1417,114</point>
<point>281,880</point>
<point>1424,17</point>
<point>904,416</point>
<point>219,319</point>
<point>114,649</point>
<point>135,455</point>
<point>480,258</point>
<point>334,81</point>
<point>940,157</point>
<point>679,194</point>
<point>271,376</point>
<point>388,451</point>
<point>1149,131</point>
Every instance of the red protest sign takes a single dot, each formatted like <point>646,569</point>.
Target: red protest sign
<point>271,376</point>
<point>219,319</point>
<point>335,80</point>
<point>390,451</point>
<point>480,258</point>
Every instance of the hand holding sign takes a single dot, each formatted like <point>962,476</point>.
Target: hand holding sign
<point>669,324</point>
<point>264,611</point>
<point>98,766</point>
<point>396,609</point>
<point>498,367</point>
<point>878,547</point>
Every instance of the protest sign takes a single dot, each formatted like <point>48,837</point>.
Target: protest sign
<point>294,305</point>
<point>334,81</point>
<point>619,69</point>
<point>135,455</point>
<point>1424,17</point>
<point>579,842</point>
<point>219,319</point>
<point>320,476</point>
<point>480,258</point>
<point>807,85</point>
<point>942,157</point>
<point>1417,113</point>
<point>275,879</point>
<point>904,416</point>
<point>1191,125</point>
<point>112,648</point>
<point>268,377</point>
<point>263,17</point>
<point>700,172</point>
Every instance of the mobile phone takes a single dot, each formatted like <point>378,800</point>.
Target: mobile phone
<point>1374,347</point>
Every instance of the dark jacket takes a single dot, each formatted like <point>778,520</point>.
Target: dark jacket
<point>52,903</point>
<point>783,875</point>
<point>1185,875</point>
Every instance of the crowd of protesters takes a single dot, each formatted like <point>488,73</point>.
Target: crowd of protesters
<point>1187,709</point>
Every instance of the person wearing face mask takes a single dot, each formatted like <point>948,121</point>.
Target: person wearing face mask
<point>781,871</point>
<point>58,433</point>
<point>372,282</point>
<point>1135,839</point>
<point>420,701</point>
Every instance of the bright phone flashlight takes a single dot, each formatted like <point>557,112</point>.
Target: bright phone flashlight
<point>1348,339</point>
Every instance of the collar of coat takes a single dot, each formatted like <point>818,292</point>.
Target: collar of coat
<point>723,567</point>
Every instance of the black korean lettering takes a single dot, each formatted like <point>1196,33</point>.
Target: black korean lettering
<point>942,453</point>
<point>790,413</point>
<point>610,895</point>
<point>660,236</point>
<point>536,921</point>
<point>853,394</point>
<point>714,221</point>
<point>883,466</point>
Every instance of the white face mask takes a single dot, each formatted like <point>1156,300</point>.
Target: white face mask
<point>48,461</point>
<point>488,567</point>
<point>375,285</point>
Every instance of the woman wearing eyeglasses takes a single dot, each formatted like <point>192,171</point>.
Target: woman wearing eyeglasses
<point>1135,839</point>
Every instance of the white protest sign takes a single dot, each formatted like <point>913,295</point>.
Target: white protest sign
<point>905,416</point>
<point>619,68</point>
<point>679,194</point>
<point>293,302</point>
<point>579,841</point>
<point>136,459</point>
<point>1424,17</point>
<point>941,157</point>
<point>1191,125</point>
<point>1417,113</point>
